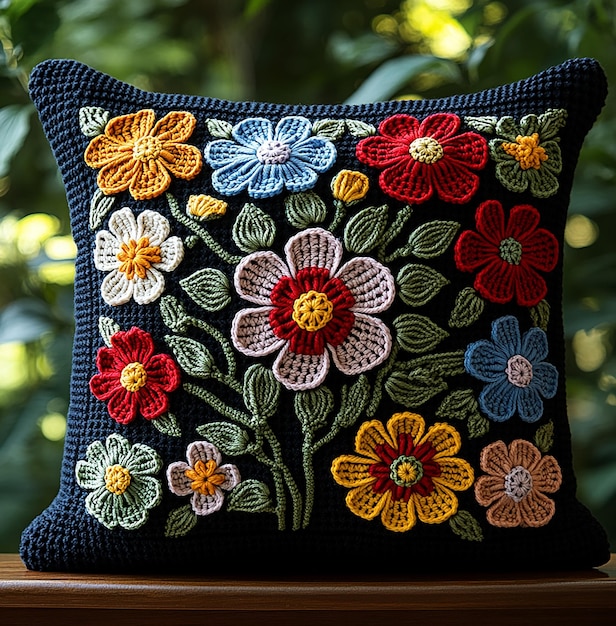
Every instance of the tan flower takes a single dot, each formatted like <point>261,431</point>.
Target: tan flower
<point>517,477</point>
<point>137,154</point>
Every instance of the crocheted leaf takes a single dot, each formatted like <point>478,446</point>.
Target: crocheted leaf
<point>540,315</point>
<point>100,205</point>
<point>544,437</point>
<point>173,314</point>
<point>219,128</point>
<point>304,209</point>
<point>253,229</point>
<point>360,129</point>
<point>329,129</point>
<point>193,357</point>
<point>432,238</point>
<point>261,391</point>
<point>483,124</point>
<point>107,328</point>
<point>459,404</point>
<point>418,333</point>
<point>231,439</point>
<point>353,403</point>
<point>250,496</point>
<point>92,120</point>
<point>467,309</point>
<point>365,229</point>
<point>168,425</point>
<point>313,407</point>
<point>414,388</point>
<point>466,526</point>
<point>418,284</point>
<point>209,288</point>
<point>180,521</point>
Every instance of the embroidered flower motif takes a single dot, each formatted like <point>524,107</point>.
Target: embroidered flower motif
<point>514,369</point>
<point>350,187</point>
<point>203,477</point>
<point>135,252</point>
<point>527,154</point>
<point>517,477</point>
<point>137,154</point>
<point>120,479</point>
<point>403,472</point>
<point>205,207</point>
<point>133,379</point>
<point>263,160</point>
<point>311,308</point>
<point>508,255</point>
<point>420,159</point>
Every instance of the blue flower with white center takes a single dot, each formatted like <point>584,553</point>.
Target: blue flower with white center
<point>263,160</point>
<point>514,369</point>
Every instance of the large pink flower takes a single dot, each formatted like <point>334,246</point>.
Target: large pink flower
<point>310,308</point>
<point>420,159</point>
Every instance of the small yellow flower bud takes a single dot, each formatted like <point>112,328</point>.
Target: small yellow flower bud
<point>349,186</point>
<point>206,207</point>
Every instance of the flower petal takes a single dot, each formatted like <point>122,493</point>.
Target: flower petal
<point>252,333</point>
<point>408,181</point>
<point>90,475</point>
<point>297,176</point>
<point>316,153</point>
<point>142,460</point>
<point>499,400</point>
<point>444,438</point>
<point>437,506</point>
<point>118,449</point>
<point>383,152</point>
<point>439,126</point>
<point>468,149</point>
<point>525,454</point>
<point>485,361</point>
<point>252,132</point>
<point>150,288</point>
<point>529,404</point>
<point>370,283</point>
<point>495,459</point>
<point>105,251</point>
<point>134,345</point>
<point>293,129</point>
<point>205,504</point>
<point>234,177</point>
<point>504,513</point>
<point>123,225</point>
<point>152,400</point>
<point>454,182</point>
<point>172,254</point>
<point>488,489</point>
<point>313,247</point>
<point>152,225</point>
<point>402,126</point>
<point>231,474</point>
<point>128,128</point>
<point>534,345</point>
<point>367,345</point>
<point>536,509</point>
<point>101,504</point>
<point>472,251</point>
<point>490,220</point>
<point>179,483</point>
<point>266,181</point>
<point>523,220</point>
<point>150,180</point>
<point>547,476</point>
<point>456,474</point>
<point>352,471</point>
<point>530,288</point>
<point>543,183</point>
<point>163,372</point>
<point>370,435</point>
<point>203,451</point>
<point>176,126</point>
<point>398,515</point>
<point>506,334</point>
<point>540,250</point>
<point>118,175</point>
<point>122,406</point>
<point>365,502</point>
<point>257,275</point>
<point>300,372</point>
<point>102,150</point>
<point>223,152</point>
<point>498,280</point>
<point>405,423</point>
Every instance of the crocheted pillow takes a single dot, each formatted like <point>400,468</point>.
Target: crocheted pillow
<point>317,337</point>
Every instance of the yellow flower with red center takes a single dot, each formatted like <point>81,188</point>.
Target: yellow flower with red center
<point>138,154</point>
<point>404,472</point>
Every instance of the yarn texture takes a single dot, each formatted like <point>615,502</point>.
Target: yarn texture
<point>317,338</point>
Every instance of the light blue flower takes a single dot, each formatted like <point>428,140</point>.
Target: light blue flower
<point>514,369</point>
<point>263,160</point>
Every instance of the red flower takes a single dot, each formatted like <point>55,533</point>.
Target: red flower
<point>419,159</point>
<point>132,378</point>
<point>509,254</point>
<point>311,310</point>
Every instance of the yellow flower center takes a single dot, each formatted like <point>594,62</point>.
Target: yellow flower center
<point>204,478</point>
<point>117,479</point>
<point>312,311</point>
<point>136,257</point>
<point>426,150</point>
<point>526,151</point>
<point>147,149</point>
<point>133,377</point>
<point>406,471</point>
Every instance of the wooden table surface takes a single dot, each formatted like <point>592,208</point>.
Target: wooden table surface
<point>499,599</point>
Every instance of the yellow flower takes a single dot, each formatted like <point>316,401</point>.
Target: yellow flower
<point>137,154</point>
<point>349,186</point>
<point>403,472</point>
<point>206,207</point>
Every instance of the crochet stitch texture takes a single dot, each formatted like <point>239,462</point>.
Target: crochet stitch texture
<point>320,338</point>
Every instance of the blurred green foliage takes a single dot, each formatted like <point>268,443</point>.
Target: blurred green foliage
<point>301,51</point>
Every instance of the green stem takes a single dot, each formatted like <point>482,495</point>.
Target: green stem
<point>227,380</point>
<point>218,405</point>
<point>339,215</point>
<point>221,339</point>
<point>307,454</point>
<point>394,230</point>
<point>378,383</point>
<point>281,499</point>
<point>203,234</point>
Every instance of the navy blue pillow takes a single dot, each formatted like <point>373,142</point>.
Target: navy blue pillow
<point>317,338</point>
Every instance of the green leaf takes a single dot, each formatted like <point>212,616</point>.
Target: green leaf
<point>100,206</point>
<point>418,333</point>
<point>312,407</point>
<point>478,425</point>
<point>551,122</point>
<point>418,284</point>
<point>180,522</point>
<point>414,388</point>
<point>209,288</point>
<point>219,129</point>
<point>92,120</point>
<point>329,129</point>
<point>304,209</point>
<point>250,496</point>
<point>261,391</point>
<point>193,357</point>
<point>354,403</point>
<point>432,238</point>
<point>466,526</point>
<point>467,309</point>
<point>253,229</point>
<point>540,315</point>
<point>14,127</point>
<point>107,327</point>
<point>365,229</point>
<point>460,404</point>
<point>544,437</point>
<point>391,76</point>
<point>229,438</point>
<point>483,124</point>
<point>360,129</point>
<point>173,314</point>
<point>168,425</point>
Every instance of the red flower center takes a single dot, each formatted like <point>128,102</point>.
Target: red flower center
<point>311,310</point>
